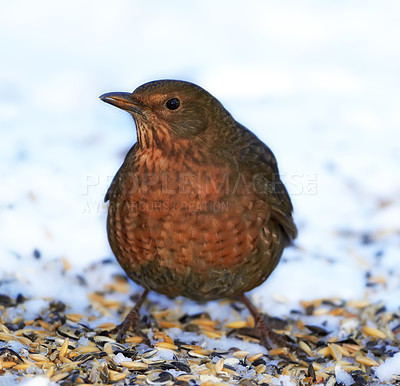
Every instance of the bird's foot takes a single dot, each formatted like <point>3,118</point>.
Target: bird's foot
<point>132,322</point>
<point>265,333</point>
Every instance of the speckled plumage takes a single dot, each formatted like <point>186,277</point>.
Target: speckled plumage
<point>197,209</point>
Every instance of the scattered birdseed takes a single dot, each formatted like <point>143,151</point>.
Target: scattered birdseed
<point>69,351</point>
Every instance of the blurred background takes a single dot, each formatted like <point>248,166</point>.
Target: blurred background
<point>318,81</point>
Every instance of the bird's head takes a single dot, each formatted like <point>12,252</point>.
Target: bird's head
<point>167,110</point>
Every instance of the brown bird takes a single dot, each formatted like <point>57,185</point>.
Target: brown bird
<point>197,209</point>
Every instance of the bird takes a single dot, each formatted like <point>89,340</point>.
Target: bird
<point>197,208</point>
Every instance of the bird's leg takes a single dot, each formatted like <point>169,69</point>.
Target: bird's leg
<point>132,321</point>
<point>261,328</point>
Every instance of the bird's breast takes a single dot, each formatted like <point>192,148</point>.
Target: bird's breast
<point>185,218</point>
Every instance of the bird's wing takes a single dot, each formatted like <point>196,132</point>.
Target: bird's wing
<point>114,182</point>
<point>259,161</point>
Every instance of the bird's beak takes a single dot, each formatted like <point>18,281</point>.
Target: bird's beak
<point>124,101</point>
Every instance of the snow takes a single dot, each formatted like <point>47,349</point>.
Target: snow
<point>283,380</point>
<point>224,343</point>
<point>165,354</point>
<point>318,82</point>
<point>121,358</point>
<point>389,368</point>
<point>36,381</point>
<point>342,377</point>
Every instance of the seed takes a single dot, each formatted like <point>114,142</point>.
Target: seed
<point>65,360</point>
<point>277,351</point>
<point>74,317</point>
<point>134,339</point>
<point>335,352</point>
<point>372,331</point>
<point>321,311</point>
<point>44,324</point>
<point>38,358</point>
<point>351,368</point>
<point>300,324</point>
<point>237,324</point>
<point>167,324</point>
<point>261,368</point>
<point>254,357</point>
<point>134,365</point>
<point>22,366</point>
<point>168,339</point>
<point>4,329</point>
<point>58,377</point>
<point>48,369</point>
<point>7,336</point>
<point>204,322</point>
<point>240,354</point>
<point>116,376</point>
<point>325,351</point>
<point>24,340</point>
<point>213,334</point>
<point>367,361</point>
<point>196,354</point>
<point>304,346</point>
<point>351,348</point>
<point>86,349</point>
<point>7,364</point>
<point>64,348</point>
<point>358,303</point>
<point>166,345</point>
<point>106,326</point>
<point>191,347</point>
<point>219,365</point>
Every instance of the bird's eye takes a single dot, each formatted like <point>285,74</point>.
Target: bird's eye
<point>172,104</point>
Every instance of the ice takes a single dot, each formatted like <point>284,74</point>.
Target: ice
<point>36,381</point>
<point>121,358</point>
<point>165,354</point>
<point>389,368</point>
<point>342,377</point>
<point>284,380</point>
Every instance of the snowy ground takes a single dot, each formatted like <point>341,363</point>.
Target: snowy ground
<point>317,81</point>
